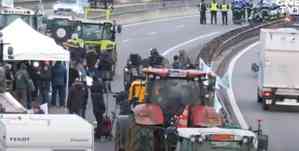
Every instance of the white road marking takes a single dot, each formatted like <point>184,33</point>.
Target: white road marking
<point>231,95</point>
<point>159,20</point>
<point>125,41</point>
<point>151,33</point>
<point>187,42</point>
<point>180,26</point>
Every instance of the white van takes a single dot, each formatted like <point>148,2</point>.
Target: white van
<point>33,132</point>
<point>75,6</point>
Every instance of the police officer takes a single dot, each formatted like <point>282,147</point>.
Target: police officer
<point>213,9</point>
<point>224,10</point>
<point>203,8</point>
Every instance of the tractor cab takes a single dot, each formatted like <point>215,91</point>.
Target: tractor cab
<point>97,34</point>
<point>96,37</point>
<point>174,91</point>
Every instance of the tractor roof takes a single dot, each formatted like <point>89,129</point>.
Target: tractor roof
<point>176,73</point>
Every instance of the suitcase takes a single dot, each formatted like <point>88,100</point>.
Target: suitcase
<point>104,130</point>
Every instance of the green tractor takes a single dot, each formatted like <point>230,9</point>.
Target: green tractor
<point>98,36</point>
<point>61,28</point>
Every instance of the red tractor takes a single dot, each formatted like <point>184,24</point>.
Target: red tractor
<point>162,101</point>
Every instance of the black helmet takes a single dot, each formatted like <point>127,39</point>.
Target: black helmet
<point>154,51</point>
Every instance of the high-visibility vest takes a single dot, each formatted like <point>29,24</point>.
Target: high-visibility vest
<point>213,6</point>
<point>224,7</point>
<point>108,13</point>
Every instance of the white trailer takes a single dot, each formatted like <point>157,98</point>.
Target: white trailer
<point>33,132</point>
<point>278,82</point>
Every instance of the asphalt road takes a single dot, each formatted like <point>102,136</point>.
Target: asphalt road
<point>280,124</point>
<point>168,36</point>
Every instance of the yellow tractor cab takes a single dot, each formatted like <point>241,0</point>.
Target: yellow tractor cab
<point>99,36</point>
<point>9,14</point>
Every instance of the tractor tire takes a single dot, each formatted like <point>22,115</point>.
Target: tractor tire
<point>60,34</point>
<point>141,138</point>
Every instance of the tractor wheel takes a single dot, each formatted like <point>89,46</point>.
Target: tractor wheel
<point>141,138</point>
<point>60,34</point>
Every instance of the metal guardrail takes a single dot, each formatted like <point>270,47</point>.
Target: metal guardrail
<point>128,7</point>
<point>213,49</point>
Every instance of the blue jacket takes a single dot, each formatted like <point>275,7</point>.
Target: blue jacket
<point>59,75</point>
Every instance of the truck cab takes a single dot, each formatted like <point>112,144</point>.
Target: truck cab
<point>75,6</point>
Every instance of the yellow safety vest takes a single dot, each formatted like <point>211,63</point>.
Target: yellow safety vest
<point>108,13</point>
<point>224,7</point>
<point>213,6</point>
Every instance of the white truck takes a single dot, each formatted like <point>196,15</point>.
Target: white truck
<point>278,75</point>
<point>33,132</point>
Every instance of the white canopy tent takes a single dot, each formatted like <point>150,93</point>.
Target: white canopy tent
<point>28,44</point>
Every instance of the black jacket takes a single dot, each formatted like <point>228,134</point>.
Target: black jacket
<point>78,96</point>
<point>45,78</point>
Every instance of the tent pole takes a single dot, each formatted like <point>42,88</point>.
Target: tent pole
<point>67,83</point>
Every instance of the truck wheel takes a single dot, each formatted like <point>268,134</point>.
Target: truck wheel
<point>142,139</point>
<point>266,107</point>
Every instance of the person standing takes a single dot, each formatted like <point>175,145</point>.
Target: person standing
<point>21,84</point>
<point>224,10</point>
<point>44,82</point>
<point>77,98</point>
<point>58,83</point>
<point>213,10</point>
<point>73,74</point>
<point>97,97</point>
<point>203,9</point>
<point>184,59</point>
<point>176,63</point>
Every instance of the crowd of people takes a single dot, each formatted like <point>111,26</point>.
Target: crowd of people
<point>32,81</point>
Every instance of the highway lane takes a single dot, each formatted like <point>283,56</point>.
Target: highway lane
<point>281,125</point>
<point>165,35</point>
